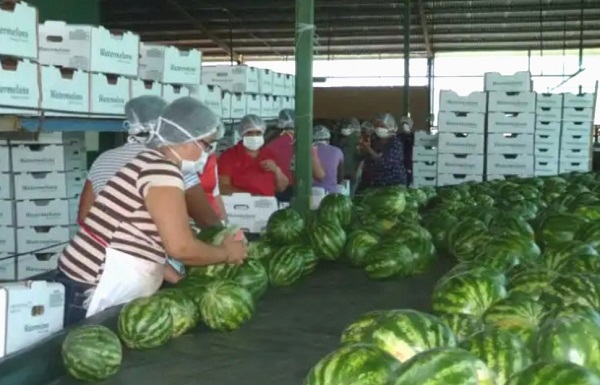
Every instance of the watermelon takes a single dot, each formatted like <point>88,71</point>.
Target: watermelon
<point>285,226</point>
<point>462,325</point>
<point>409,230</point>
<point>194,286</point>
<point>327,240</point>
<point>387,202</point>
<point>146,323</point>
<point>209,234</point>
<point>356,331</point>
<point>531,282</point>
<point>589,234</point>
<point>554,373</point>
<point>506,223</point>
<point>582,289</point>
<point>92,353</point>
<point>423,253</point>
<point>310,259</point>
<point>251,275</point>
<point>184,310</point>
<point>226,305</point>
<point>443,366</point>
<point>260,249</point>
<point>520,315</point>
<point>438,225</point>
<point>210,271</point>
<point>336,207</point>
<point>558,228</point>
<point>502,352</point>
<point>359,364</point>
<point>287,265</point>
<point>467,238</point>
<point>571,257</point>
<point>391,259</point>
<point>358,245</point>
<point>504,252</point>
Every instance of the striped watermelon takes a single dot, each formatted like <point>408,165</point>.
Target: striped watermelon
<point>503,353</point>
<point>520,315</point>
<point>92,353</point>
<point>404,333</point>
<point>327,240</point>
<point>571,257</point>
<point>146,323</point>
<point>251,275</point>
<point>462,325</point>
<point>554,373</point>
<point>391,259</point>
<point>558,228</point>
<point>212,271</point>
<point>582,289</point>
<point>470,293</point>
<point>531,282</point>
<point>467,238</point>
<point>287,265</point>
<point>438,224</point>
<point>589,233</point>
<point>194,286</point>
<point>260,249</point>
<point>359,364</point>
<point>226,305</point>
<point>184,310</point>
<point>387,202</point>
<point>285,226</point>
<point>358,245</point>
<point>336,207</point>
<point>363,326</point>
<point>410,230</point>
<point>443,366</point>
<point>510,224</point>
<point>310,259</point>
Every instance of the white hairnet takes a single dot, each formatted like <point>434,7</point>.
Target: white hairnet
<point>286,119</point>
<point>367,126</point>
<point>352,124</point>
<point>321,133</point>
<point>387,120</point>
<point>251,122</point>
<point>186,119</point>
<point>142,113</point>
<point>407,120</point>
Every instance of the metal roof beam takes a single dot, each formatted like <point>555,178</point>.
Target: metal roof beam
<point>425,28</point>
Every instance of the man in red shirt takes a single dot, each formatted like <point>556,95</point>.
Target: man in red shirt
<point>249,166</point>
<point>283,150</point>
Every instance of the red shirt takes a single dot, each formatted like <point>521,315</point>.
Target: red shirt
<point>245,171</point>
<point>283,152</point>
<point>210,182</point>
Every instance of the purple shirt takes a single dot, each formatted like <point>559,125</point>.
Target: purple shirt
<point>330,157</point>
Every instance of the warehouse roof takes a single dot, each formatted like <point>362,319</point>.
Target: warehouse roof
<point>252,29</point>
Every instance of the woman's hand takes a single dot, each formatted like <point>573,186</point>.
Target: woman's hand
<point>236,250</point>
<point>269,165</point>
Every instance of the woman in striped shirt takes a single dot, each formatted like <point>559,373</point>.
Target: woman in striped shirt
<point>140,217</point>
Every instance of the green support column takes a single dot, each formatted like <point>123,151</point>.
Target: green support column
<point>304,104</point>
<point>406,93</point>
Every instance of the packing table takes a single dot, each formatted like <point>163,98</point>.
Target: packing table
<point>291,330</point>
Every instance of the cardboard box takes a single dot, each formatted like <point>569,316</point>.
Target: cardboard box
<point>577,141</point>
<point>48,185</point>
<point>454,143</point>
<point>424,181</point>
<point>546,167</point>
<point>238,105</point>
<point>172,92</point>
<point>50,157</point>
<point>29,312</point>
<point>578,114</point>
<point>547,140</point>
<point>518,123</point>
<point>209,95</point>
<point>549,128</point>
<point>253,104</point>
<point>232,78</point>
<point>279,84</point>
<point>226,105</point>
<point>585,100</point>
<point>471,123</point>
<point>290,103</point>
<point>468,164</point>
<point>517,82</point>
<point>577,128</point>
<point>5,159</point>
<point>56,137</point>
<point>290,84</point>
<point>515,102</point>
<point>423,168</point>
<point>34,264</point>
<point>141,87</point>
<point>47,212</point>
<point>548,152</point>
<point>251,213</point>
<point>19,85</point>
<point>43,239</point>
<point>115,52</point>
<point>550,100</point>
<point>7,240</point>
<point>453,102</point>
<point>8,267</point>
<point>574,166</point>
<point>6,184</point>
<point>265,81</point>
<point>549,114</point>
<point>267,107</point>
<point>424,154</point>
<point>573,153</point>
<point>510,144</point>
<point>109,93</point>
<point>19,35</point>
<point>65,45</point>
<point>7,212</point>
<point>170,64</point>
<point>498,164</point>
<point>451,179</point>
<point>65,90</point>
<point>424,138</point>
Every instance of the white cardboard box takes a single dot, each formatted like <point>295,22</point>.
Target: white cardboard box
<point>546,167</point>
<point>279,84</point>
<point>290,84</point>
<point>50,157</point>
<point>145,87</point>
<point>19,35</point>
<point>48,185</point>
<point>8,267</point>
<point>550,100</point>
<point>571,114</point>
<point>251,213</point>
<point>585,100</point>
<point>172,92</point>
<point>519,123</point>
<point>65,45</point>
<point>510,144</point>
<point>569,153</point>
<point>498,164</point>
<point>550,128</point>
<point>238,105</point>
<point>284,102</point>
<point>291,103</point>
<point>209,95</point>
<point>517,82</point>
<point>265,81</point>
<point>267,109</point>
<point>19,86</point>
<point>453,102</point>
<point>8,243</point>
<point>5,159</point>
<point>425,154</point>
<point>548,114</point>
<point>6,183</point>
<point>547,140</point>
<point>579,141</point>
<point>43,239</point>
<point>424,181</point>
<point>547,152</point>
<point>425,168</point>
<point>34,264</point>
<point>454,143</point>
<point>226,105</point>
<point>7,211</point>
<point>232,78</point>
<point>424,138</point>
<point>454,179</point>
<point>577,128</point>
<point>29,312</point>
<point>516,102</point>
<point>47,212</point>
<point>109,93</point>
<point>65,90</point>
<point>114,53</point>
<point>468,164</point>
<point>491,177</point>
<point>473,122</point>
<point>574,166</point>
<point>169,64</point>
<point>253,104</point>
<point>56,137</point>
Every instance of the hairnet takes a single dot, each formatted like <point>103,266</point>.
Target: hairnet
<point>387,120</point>
<point>321,133</point>
<point>286,119</point>
<point>251,122</point>
<point>367,125</point>
<point>352,124</point>
<point>142,113</point>
<point>186,119</point>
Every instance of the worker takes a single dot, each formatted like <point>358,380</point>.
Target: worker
<point>348,141</point>
<point>331,158</point>
<point>248,166</point>
<point>384,155</point>
<point>140,216</point>
<point>283,149</point>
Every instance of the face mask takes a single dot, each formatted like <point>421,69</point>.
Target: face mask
<point>382,132</point>
<point>346,131</point>
<point>193,167</point>
<point>253,143</point>
<point>405,128</point>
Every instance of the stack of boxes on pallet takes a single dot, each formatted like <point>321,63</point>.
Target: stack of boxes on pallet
<point>44,180</point>
<point>576,135</point>
<point>461,125</point>
<point>547,134</point>
<point>424,168</point>
<point>511,115</point>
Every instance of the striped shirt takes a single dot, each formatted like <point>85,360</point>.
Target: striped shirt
<point>119,218</point>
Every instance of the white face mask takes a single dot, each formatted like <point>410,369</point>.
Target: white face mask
<point>382,132</point>
<point>253,143</point>
<point>346,131</point>
<point>405,128</point>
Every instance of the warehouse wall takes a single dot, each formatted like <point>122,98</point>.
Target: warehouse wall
<point>366,102</point>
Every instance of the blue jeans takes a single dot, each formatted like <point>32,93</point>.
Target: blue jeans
<point>74,298</point>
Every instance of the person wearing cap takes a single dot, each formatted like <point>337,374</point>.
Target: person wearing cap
<point>282,148</point>
<point>140,217</point>
<point>384,155</point>
<point>347,141</point>
<point>331,158</point>
<point>249,166</point>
